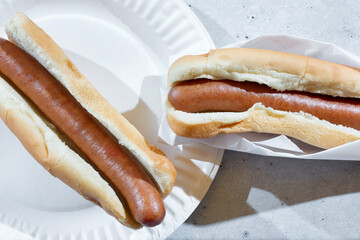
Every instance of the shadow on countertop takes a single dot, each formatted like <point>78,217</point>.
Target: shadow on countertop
<point>216,32</point>
<point>292,181</point>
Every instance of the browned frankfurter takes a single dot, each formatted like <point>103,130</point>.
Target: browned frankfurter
<point>90,137</point>
<point>122,162</point>
<point>241,90</point>
<point>204,95</point>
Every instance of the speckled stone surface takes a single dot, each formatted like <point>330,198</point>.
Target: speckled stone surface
<point>256,197</point>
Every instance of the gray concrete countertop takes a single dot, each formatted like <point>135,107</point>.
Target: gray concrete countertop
<point>256,197</point>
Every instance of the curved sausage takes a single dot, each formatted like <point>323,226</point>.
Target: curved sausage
<point>93,140</point>
<point>203,95</point>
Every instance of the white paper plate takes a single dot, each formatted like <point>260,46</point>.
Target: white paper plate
<point>124,48</point>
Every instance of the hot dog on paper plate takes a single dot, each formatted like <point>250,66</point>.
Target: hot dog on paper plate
<point>74,133</point>
<point>243,90</point>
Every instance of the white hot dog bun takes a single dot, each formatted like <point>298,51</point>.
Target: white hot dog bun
<point>278,70</point>
<point>49,147</point>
